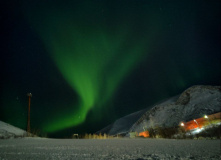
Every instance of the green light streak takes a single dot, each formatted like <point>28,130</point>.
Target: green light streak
<point>92,57</point>
<point>93,67</point>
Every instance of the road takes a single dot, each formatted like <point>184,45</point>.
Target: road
<point>40,148</point>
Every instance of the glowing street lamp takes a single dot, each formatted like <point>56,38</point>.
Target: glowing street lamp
<point>206,117</point>
<point>183,126</point>
<point>196,123</point>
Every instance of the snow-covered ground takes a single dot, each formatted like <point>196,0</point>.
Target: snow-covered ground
<point>37,148</point>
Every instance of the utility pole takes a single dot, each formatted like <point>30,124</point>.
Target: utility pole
<point>29,104</point>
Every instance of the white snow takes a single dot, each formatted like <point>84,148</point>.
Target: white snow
<point>9,131</point>
<point>94,149</point>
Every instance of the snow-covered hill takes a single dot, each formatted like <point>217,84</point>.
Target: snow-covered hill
<point>193,103</point>
<point>9,131</point>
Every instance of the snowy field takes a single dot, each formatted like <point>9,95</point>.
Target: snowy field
<point>40,148</point>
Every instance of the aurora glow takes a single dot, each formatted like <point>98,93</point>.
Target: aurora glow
<point>94,60</point>
<point>85,64</point>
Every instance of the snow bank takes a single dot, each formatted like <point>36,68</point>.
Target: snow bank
<point>9,131</point>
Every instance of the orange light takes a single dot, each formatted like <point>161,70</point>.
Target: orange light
<point>144,134</point>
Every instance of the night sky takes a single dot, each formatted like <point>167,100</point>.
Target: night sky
<point>90,62</point>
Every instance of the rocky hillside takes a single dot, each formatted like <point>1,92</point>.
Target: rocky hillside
<point>193,103</point>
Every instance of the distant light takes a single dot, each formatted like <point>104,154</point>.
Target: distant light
<point>194,120</point>
<point>206,116</point>
<point>182,124</point>
<point>198,130</point>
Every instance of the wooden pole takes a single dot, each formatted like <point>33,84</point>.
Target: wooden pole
<point>29,108</point>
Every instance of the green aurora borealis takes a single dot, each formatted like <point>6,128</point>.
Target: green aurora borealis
<point>90,67</point>
<point>89,63</point>
<point>93,58</point>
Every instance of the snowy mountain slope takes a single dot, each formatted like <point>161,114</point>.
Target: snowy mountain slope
<point>193,103</point>
<point>9,131</point>
<point>122,125</point>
